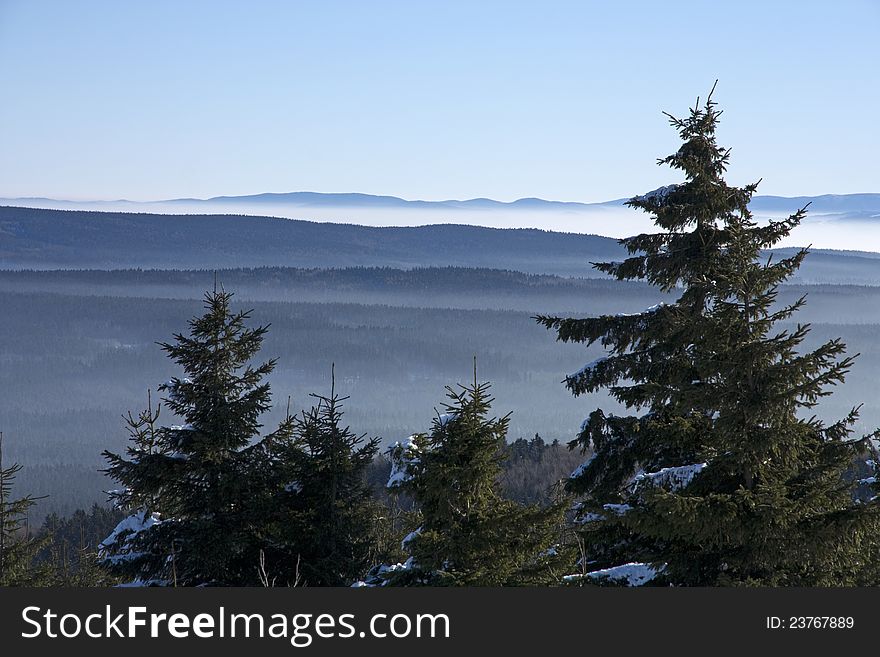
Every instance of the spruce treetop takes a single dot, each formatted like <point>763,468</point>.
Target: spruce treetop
<point>199,490</point>
<point>468,534</point>
<point>721,480</point>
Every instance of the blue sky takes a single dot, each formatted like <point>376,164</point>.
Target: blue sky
<point>432,100</point>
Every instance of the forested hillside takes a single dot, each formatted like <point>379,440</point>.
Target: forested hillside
<point>79,346</point>
<point>49,239</point>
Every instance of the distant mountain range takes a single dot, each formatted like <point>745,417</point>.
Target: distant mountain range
<point>848,221</point>
<point>824,204</point>
<point>32,238</point>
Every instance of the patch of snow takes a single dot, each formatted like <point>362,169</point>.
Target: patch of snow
<point>409,537</point>
<point>578,471</point>
<point>293,487</point>
<point>588,368</point>
<point>402,456</point>
<point>446,418</point>
<point>397,567</point>
<point>647,311</point>
<point>117,497</point>
<point>122,535</point>
<point>172,387</point>
<point>617,509</point>
<point>674,478</point>
<point>590,517</point>
<point>632,574</point>
<point>380,576</point>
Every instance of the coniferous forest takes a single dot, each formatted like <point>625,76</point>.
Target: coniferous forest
<point>714,451</point>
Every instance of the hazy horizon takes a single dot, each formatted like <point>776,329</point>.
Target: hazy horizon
<point>458,100</point>
<point>825,230</point>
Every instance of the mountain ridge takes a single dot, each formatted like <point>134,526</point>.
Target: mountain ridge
<point>41,239</point>
<point>826,203</point>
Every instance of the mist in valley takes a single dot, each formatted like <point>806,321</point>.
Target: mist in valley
<point>79,350</point>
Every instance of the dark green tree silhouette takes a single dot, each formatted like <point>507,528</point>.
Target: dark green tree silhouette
<point>200,492</point>
<point>469,535</point>
<point>722,478</point>
<point>17,546</point>
<point>326,509</point>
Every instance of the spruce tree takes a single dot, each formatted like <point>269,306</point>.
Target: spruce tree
<point>469,535</point>
<point>199,491</point>
<point>325,508</point>
<point>719,477</point>
<point>17,547</point>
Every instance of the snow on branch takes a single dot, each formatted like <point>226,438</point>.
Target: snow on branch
<point>409,537</point>
<point>612,509</point>
<point>674,478</point>
<point>629,574</point>
<point>650,310</point>
<point>617,509</point>
<point>445,418</point>
<point>120,539</point>
<point>578,471</point>
<point>658,194</point>
<point>402,457</point>
<point>589,367</point>
<point>381,576</point>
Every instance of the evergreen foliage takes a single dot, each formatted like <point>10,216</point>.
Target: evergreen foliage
<point>469,535</point>
<point>17,546</point>
<point>722,479</point>
<point>199,491</point>
<point>326,511</point>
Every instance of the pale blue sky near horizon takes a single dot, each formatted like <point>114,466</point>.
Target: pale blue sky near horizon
<point>429,100</point>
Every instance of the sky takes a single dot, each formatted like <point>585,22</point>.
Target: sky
<point>429,100</point>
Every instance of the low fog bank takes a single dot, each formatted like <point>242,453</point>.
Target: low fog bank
<point>78,349</point>
<point>854,231</point>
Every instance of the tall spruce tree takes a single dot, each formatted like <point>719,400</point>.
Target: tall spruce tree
<point>722,479</point>
<point>200,492</point>
<point>17,547</point>
<point>469,535</point>
<point>325,510</point>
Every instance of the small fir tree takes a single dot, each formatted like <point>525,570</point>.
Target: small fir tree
<point>17,547</point>
<point>199,492</point>
<point>326,509</point>
<point>469,535</point>
<point>721,480</point>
